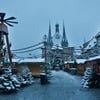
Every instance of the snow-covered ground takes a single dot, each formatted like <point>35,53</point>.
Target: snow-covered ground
<point>65,76</point>
<point>63,86</point>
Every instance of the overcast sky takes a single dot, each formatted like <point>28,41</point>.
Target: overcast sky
<point>81,18</point>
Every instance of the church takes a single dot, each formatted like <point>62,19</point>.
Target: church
<point>56,49</point>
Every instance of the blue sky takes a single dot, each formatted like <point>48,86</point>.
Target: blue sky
<point>81,18</point>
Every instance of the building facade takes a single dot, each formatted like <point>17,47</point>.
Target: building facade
<point>92,47</point>
<point>56,49</point>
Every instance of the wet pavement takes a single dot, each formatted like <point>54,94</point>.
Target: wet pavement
<point>63,86</point>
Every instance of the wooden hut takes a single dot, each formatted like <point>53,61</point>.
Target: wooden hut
<point>68,65</point>
<point>34,65</point>
<point>80,66</point>
<point>95,62</point>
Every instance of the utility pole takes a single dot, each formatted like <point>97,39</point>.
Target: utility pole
<point>45,56</point>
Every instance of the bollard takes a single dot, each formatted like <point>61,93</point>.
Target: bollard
<point>43,78</point>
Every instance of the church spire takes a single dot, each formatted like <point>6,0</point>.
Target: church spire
<point>64,42</point>
<point>49,40</point>
<point>49,30</point>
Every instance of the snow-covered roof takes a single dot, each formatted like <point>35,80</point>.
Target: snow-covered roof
<point>29,60</point>
<point>57,47</point>
<point>97,35</point>
<point>91,44</point>
<point>80,61</point>
<point>15,60</point>
<point>32,60</point>
<point>94,58</point>
<point>71,62</point>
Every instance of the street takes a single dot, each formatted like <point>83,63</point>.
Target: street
<point>63,86</point>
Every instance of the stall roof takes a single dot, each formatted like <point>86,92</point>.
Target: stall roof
<point>71,62</point>
<point>55,47</point>
<point>15,60</point>
<point>28,60</point>
<point>94,58</point>
<point>80,61</point>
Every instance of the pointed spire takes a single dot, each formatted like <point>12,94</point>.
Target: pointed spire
<point>49,40</point>
<point>64,39</point>
<point>64,33</point>
<point>49,35</point>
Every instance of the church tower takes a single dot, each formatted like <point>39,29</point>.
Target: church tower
<point>57,36</point>
<point>57,49</point>
<point>64,42</point>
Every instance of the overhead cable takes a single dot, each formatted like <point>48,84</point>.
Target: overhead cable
<point>27,50</point>
<point>28,47</point>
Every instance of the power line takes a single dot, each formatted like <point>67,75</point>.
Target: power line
<point>28,50</point>
<point>28,47</point>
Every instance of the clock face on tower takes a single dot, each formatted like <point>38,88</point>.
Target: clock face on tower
<point>57,36</point>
